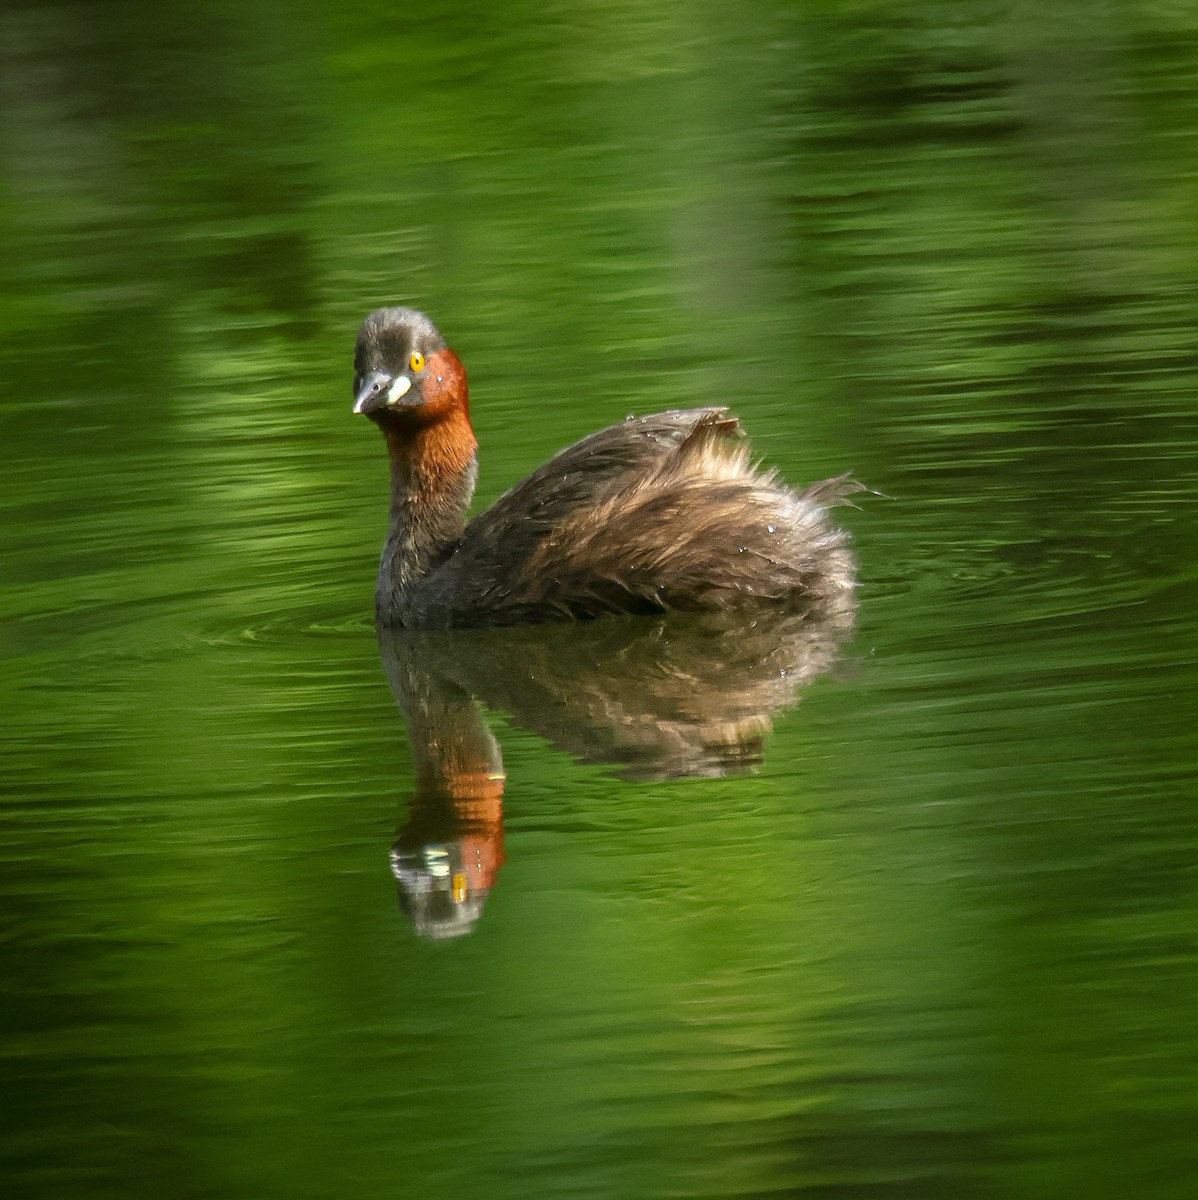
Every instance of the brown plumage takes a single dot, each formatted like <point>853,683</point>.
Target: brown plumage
<point>656,513</point>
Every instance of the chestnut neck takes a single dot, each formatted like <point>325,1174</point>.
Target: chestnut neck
<point>434,468</point>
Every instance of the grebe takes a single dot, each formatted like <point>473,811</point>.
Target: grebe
<point>656,513</point>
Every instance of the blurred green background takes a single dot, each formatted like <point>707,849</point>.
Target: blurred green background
<point>943,944</point>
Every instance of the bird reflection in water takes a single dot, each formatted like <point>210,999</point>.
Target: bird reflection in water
<point>681,696</point>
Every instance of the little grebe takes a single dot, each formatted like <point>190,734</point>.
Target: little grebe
<point>655,513</point>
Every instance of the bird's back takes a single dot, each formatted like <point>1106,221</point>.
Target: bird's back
<point>656,513</point>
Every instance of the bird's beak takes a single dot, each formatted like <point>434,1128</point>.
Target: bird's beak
<point>379,390</point>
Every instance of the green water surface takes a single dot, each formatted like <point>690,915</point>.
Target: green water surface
<point>940,940</point>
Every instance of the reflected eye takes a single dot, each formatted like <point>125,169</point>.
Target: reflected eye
<point>416,362</point>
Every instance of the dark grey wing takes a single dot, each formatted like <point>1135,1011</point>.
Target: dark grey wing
<point>583,472</point>
<point>499,542</point>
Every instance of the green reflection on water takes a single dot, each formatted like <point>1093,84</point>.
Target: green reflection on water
<point>942,944</point>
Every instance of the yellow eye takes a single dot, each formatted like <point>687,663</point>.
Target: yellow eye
<point>416,362</point>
